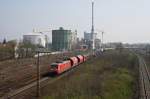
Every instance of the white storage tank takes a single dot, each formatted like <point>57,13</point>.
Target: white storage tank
<point>35,38</point>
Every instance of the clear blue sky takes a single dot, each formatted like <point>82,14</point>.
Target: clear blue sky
<point>122,20</point>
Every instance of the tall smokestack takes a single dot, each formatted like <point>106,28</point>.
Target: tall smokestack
<point>92,30</point>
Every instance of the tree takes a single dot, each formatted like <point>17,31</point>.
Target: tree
<point>12,43</point>
<point>4,41</point>
<point>119,47</point>
<point>26,49</point>
<point>8,50</point>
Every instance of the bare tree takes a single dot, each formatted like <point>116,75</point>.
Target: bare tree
<point>119,47</point>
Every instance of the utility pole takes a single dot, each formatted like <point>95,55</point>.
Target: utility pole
<point>38,75</point>
<point>102,40</point>
<point>38,92</point>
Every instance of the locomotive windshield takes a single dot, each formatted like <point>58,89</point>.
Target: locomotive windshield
<point>54,65</point>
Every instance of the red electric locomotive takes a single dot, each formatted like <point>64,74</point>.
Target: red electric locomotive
<point>60,67</point>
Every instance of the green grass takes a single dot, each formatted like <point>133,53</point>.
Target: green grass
<point>111,76</point>
<point>118,85</point>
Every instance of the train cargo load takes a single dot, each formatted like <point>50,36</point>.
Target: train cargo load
<point>80,58</point>
<point>74,61</point>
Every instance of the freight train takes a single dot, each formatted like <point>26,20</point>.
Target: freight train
<point>62,66</point>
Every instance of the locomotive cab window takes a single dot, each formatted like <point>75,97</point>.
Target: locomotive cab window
<point>54,66</point>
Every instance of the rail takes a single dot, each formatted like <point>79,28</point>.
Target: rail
<point>144,79</point>
<point>44,81</point>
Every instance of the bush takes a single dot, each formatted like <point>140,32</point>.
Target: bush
<point>7,51</point>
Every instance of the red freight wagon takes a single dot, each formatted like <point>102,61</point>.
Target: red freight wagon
<point>60,67</point>
<point>74,61</point>
<point>80,58</point>
<point>85,57</point>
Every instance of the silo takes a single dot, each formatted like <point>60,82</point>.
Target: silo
<point>35,38</point>
<point>61,39</point>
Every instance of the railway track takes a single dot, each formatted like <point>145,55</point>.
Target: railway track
<point>44,81</point>
<point>144,78</point>
<point>22,70</point>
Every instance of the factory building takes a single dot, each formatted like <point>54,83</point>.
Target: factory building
<point>88,36</point>
<point>88,39</point>
<point>63,40</point>
<point>35,38</point>
<point>74,40</point>
<point>98,43</point>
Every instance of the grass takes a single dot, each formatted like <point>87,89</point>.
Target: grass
<point>111,76</point>
<point>118,85</point>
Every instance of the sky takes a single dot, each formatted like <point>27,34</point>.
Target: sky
<point>125,21</point>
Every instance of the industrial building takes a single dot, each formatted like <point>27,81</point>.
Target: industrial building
<point>88,36</point>
<point>88,40</point>
<point>63,40</point>
<point>98,43</point>
<point>74,40</point>
<point>35,38</point>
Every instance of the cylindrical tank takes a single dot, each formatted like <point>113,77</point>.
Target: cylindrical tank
<point>61,39</point>
<point>35,38</point>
